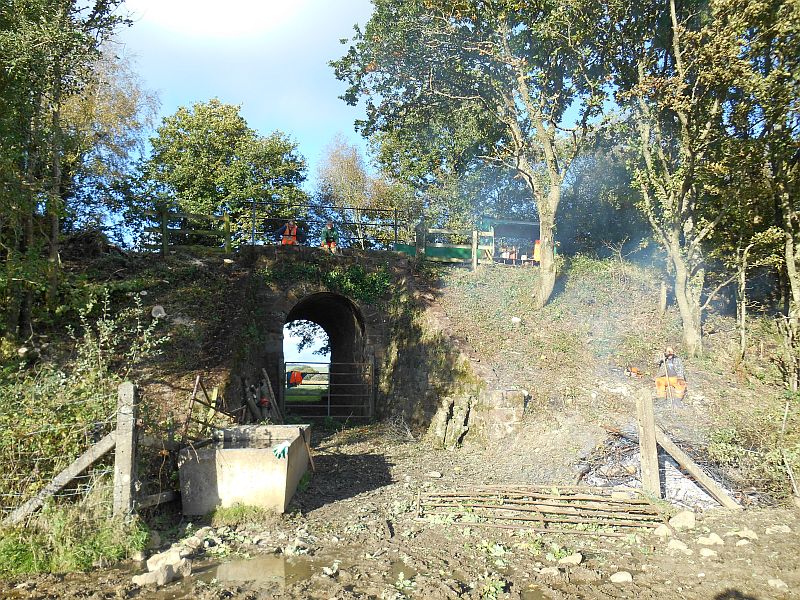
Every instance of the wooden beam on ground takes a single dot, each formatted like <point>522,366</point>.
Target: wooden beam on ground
<point>711,486</point>
<point>651,480</point>
<point>60,481</point>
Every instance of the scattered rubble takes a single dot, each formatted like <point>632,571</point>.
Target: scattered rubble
<point>683,521</point>
<point>621,577</point>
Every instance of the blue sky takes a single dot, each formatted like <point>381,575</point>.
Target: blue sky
<point>269,56</point>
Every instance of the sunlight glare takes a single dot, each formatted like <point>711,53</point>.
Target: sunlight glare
<point>211,18</point>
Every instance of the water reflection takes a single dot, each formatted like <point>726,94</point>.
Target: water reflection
<point>274,569</point>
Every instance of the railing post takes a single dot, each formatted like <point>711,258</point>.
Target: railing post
<point>395,229</point>
<point>125,453</point>
<point>164,231</point>
<point>474,249</point>
<point>226,220</point>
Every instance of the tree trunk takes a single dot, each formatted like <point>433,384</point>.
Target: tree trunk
<point>791,329</point>
<point>742,306</point>
<point>547,262</point>
<point>54,201</point>
<point>688,291</point>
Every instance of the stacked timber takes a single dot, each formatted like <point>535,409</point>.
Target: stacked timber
<point>560,509</point>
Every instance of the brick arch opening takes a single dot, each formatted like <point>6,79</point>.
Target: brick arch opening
<point>350,378</point>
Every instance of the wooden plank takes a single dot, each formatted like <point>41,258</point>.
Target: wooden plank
<point>446,260</point>
<point>156,499</point>
<point>683,459</point>
<point>648,451</point>
<point>456,246</point>
<point>451,231</point>
<point>187,231</point>
<point>60,481</point>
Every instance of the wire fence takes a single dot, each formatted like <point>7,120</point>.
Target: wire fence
<point>29,467</point>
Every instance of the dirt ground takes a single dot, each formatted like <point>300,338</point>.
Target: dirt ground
<point>355,533</point>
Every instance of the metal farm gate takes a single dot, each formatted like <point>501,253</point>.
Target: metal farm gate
<point>336,390</point>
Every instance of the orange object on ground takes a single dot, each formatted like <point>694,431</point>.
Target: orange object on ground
<point>289,236</point>
<point>296,378</point>
<point>677,385</point>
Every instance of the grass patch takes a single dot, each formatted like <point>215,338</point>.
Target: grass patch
<point>242,514</point>
<point>71,538</point>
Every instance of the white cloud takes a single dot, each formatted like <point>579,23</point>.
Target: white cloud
<point>215,19</point>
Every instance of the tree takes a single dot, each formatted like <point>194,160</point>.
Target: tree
<point>206,160</point>
<point>511,70</point>
<point>676,81</point>
<point>343,180</point>
<point>708,86</point>
<point>764,118</point>
<point>104,128</point>
<point>47,49</point>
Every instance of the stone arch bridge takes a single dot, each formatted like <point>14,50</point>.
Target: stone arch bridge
<point>388,357</point>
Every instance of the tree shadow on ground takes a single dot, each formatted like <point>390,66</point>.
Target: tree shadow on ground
<point>734,595</point>
<point>340,476</point>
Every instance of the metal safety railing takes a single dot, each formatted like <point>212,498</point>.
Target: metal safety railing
<point>365,227</point>
<point>330,390</point>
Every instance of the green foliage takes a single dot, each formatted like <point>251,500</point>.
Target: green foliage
<point>355,282</point>
<point>557,552</point>
<point>49,412</point>
<point>207,160</point>
<point>492,587</point>
<point>72,537</point>
<point>305,482</point>
<point>759,444</point>
<point>241,514</point>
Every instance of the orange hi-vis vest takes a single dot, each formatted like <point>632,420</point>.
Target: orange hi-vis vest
<point>290,236</point>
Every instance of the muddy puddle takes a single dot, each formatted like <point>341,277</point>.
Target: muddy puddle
<point>276,572</point>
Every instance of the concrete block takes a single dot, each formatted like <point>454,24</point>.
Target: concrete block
<point>241,469</point>
<point>161,576</point>
<point>170,557</point>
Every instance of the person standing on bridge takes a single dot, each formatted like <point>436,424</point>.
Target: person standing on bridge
<point>288,234</point>
<point>330,238</point>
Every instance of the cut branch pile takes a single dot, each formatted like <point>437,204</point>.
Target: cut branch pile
<point>557,509</point>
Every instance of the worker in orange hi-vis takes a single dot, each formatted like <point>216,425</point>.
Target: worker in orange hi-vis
<point>671,382</point>
<point>537,251</point>
<point>288,234</point>
<point>296,378</point>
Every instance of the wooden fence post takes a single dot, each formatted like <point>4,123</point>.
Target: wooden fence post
<point>226,219</point>
<point>125,455</point>
<point>474,249</point>
<point>164,231</point>
<point>651,480</point>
